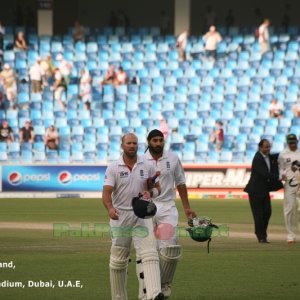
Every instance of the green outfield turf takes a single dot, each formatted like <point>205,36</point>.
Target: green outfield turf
<point>237,268</point>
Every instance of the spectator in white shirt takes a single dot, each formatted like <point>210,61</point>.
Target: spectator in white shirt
<point>59,87</point>
<point>64,67</point>
<point>37,76</point>
<point>48,67</point>
<point>8,82</point>
<point>181,44</point>
<point>263,36</point>
<point>85,88</point>
<point>212,38</point>
<point>275,109</point>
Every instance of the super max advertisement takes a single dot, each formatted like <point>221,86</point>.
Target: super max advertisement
<point>52,178</point>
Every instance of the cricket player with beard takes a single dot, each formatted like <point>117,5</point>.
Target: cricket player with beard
<point>166,219</point>
<point>124,180</point>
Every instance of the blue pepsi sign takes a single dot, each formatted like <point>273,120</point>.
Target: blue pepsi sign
<point>52,178</point>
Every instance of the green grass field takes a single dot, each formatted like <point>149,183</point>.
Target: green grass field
<point>237,268</point>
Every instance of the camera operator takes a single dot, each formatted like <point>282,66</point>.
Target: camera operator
<point>288,162</point>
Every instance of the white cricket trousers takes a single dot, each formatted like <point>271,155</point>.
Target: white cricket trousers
<point>291,210</point>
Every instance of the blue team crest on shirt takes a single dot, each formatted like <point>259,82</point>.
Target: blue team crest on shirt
<point>142,173</point>
<point>123,174</point>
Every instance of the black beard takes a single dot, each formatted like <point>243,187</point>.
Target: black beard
<point>156,150</point>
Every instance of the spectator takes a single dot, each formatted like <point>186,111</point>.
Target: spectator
<point>275,109</point>
<point>258,16</point>
<point>2,32</point>
<point>48,67</point>
<point>85,89</point>
<point>1,58</point>
<point>210,18</point>
<point>263,36</point>
<point>181,44</point>
<point>229,19</point>
<point>122,19</point>
<point>212,38</point>
<point>163,127</point>
<point>27,133</point>
<point>20,42</point>
<point>6,132</point>
<point>109,76</point>
<point>64,67</point>
<point>51,138</point>
<point>120,77</point>
<point>59,87</point>
<point>78,32</point>
<point>8,81</point>
<point>37,76</point>
<point>217,136</point>
<point>286,17</point>
<point>113,20</point>
<point>296,109</point>
<point>164,23</point>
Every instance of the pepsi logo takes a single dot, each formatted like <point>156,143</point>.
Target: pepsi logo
<point>15,178</point>
<point>64,177</point>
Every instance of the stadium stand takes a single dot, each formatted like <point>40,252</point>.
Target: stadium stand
<point>191,95</point>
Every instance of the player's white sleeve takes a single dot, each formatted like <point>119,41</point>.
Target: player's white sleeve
<point>109,178</point>
<point>281,165</point>
<point>179,174</point>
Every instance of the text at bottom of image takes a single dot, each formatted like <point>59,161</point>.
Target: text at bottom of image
<point>41,284</point>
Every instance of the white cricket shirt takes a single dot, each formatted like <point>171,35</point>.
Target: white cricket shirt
<point>36,72</point>
<point>127,183</point>
<point>285,159</point>
<point>171,174</point>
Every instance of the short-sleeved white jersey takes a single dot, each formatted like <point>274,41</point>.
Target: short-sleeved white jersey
<point>171,174</point>
<point>127,183</point>
<point>285,159</point>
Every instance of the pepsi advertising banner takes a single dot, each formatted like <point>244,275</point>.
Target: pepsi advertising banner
<point>52,178</point>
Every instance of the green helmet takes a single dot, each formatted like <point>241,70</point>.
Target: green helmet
<point>201,229</point>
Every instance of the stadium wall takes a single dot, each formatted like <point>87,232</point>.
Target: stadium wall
<point>86,181</point>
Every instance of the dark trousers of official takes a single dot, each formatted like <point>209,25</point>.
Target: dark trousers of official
<point>261,211</point>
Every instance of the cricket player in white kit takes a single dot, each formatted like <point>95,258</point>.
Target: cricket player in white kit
<point>124,180</point>
<point>286,158</point>
<point>166,219</point>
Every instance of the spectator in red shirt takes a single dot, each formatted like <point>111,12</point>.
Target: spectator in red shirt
<point>217,137</point>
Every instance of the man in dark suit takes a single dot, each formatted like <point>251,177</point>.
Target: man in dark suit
<point>263,179</point>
